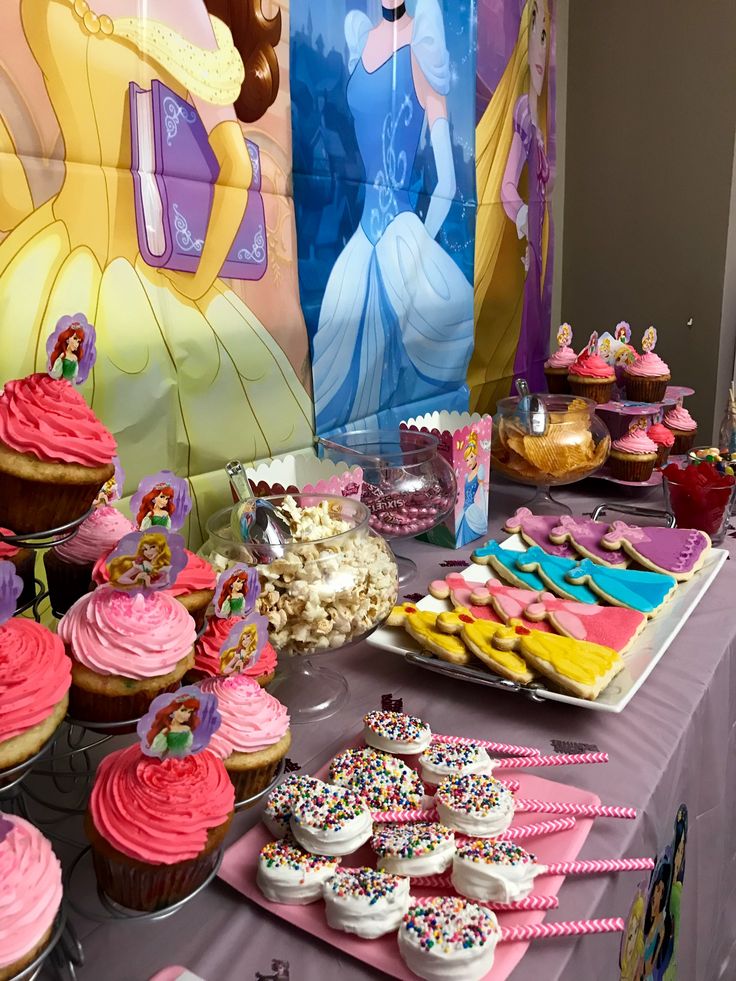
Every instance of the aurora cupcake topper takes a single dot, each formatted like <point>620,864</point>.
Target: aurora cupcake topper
<point>179,723</point>
<point>649,340</point>
<point>243,646</point>
<point>237,592</point>
<point>112,489</point>
<point>622,332</point>
<point>593,343</point>
<point>145,561</point>
<point>11,586</point>
<point>71,349</point>
<point>161,501</point>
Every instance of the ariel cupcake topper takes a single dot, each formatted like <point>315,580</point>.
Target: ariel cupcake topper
<point>161,501</point>
<point>71,349</point>
<point>112,489</point>
<point>179,723</point>
<point>145,561</point>
<point>11,586</point>
<point>236,593</point>
<point>622,332</point>
<point>564,335</point>
<point>593,343</point>
<point>244,644</point>
<point>649,340</point>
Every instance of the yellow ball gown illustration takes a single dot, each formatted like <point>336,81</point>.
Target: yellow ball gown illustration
<point>185,378</point>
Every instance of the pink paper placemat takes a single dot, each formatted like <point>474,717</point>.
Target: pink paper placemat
<point>239,866</point>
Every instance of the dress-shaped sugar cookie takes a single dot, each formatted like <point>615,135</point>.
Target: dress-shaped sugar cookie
<point>508,602</point>
<point>553,571</point>
<point>479,637</point>
<point>585,536</point>
<point>638,590</point>
<point>677,552</point>
<point>535,530</point>
<point>503,563</point>
<point>611,626</point>
<point>422,626</point>
<point>457,589</point>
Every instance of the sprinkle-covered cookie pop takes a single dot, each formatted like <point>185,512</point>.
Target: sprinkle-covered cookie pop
<point>290,876</point>
<point>443,760</point>
<point>475,805</point>
<point>332,821</point>
<point>383,782</point>
<point>494,871</point>
<point>366,902</point>
<point>394,732</point>
<point>447,938</point>
<point>414,849</point>
<point>277,813</point>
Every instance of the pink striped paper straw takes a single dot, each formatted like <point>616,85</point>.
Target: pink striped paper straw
<point>594,866</point>
<point>512,785</point>
<point>404,817</point>
<point>505,748</point>
<point>531,902</point>
<point>524,831</point>
<point>532,806</point>
<point>560,759</point>
<point>569,928</point>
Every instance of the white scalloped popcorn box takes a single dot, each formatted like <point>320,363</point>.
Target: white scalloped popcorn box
<point>305,473</point>
<point>465,442</point>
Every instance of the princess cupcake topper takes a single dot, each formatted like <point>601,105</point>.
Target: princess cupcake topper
<point>593,343</point>
<point>244,644</point>
<point>112,489</point>
<point>605,348</point>
<point>622,332</point>
<point>649,340</point>
<point>11,586</point>
<point>145,561</point>
<point>71,349</point>
<point>564,335</point>
<point>237,591</point>
<point>161,501</point>
<point>179,723</point>
<point>5,828</point>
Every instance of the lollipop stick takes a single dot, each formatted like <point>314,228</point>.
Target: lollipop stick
<point>593,867</point>
<point>507,749</point>
<point>512,785</point>
<point>531,902</point>
<point>524,831</point>
<point>404,817</point>
<point>561,759</point>
<point>531,806</point>
<point>569,928</point>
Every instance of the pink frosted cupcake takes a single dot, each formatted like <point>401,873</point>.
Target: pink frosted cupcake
<point>647,378</point>
<point>591,377</point>
<point>30,896</point>
<point>664,439</point>
<point>557,366</point>
<point>254,734</point>
<point>24,560</point>
<point>633,456</point>
<point>69,565</point>
<point>207,655</point>
<point>683,427</point>
<point>125,650</point>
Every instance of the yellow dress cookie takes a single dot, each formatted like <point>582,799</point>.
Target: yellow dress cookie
<point>479,637</point>
<point>422,626</point>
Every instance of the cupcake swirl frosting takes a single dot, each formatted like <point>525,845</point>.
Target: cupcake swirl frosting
<point>636,442</point>
<point>591,366</point>
<point>660,435</point>
<point>197,574</point>
<point>251,718</point>
<point>35,675</point>
<point>562,358</point>
<point>50,420</point>
<point>30,895</point>
<point>648,365</point>
<point>97,534</point>
<point>115,633</point>
<point>207,651</point>
<point>680,418</point>
<point>160,811</point>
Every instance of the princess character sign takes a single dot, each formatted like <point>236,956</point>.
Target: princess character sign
<point>144,561</point>
<point>179,724</point>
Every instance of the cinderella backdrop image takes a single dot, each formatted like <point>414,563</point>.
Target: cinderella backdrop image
<point>384,185</point>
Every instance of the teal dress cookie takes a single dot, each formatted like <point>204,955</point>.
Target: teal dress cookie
<point>504,563</point>
<point>636,589</point>
<point>553,570</point>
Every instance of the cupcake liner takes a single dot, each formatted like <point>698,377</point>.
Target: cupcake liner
<point>30,506</point>
<point>683,441</point>
<point>557,383</point>
<point>196,604</point>
<point>630,467</point>
<point>248,783</point>
<point>67,581</point>
<point>599,392</point>
<point>663,454</point>
<point>640,389</point>
<point>89,706</point>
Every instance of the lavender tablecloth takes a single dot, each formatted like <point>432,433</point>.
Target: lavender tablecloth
<point>673,743</point>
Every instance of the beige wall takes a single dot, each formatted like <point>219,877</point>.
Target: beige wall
<point>650,122</point>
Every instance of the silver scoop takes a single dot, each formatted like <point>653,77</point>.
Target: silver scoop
<point>253,519</point>
<point>532,411</point>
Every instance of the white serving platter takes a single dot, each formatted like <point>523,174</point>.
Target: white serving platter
<point>645,652</point>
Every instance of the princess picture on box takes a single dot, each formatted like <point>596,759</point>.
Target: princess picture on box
<point>179,724</point>
<point>474,521</point>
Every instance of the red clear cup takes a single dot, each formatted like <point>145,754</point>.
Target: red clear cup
<point>702,505</point>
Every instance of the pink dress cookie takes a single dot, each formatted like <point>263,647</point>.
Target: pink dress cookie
<point>535,530</point>
<point>677,552</point>
<point>585,536</point>
<point>610,626</point>
<point>509,602</point>
<point>458,589</point>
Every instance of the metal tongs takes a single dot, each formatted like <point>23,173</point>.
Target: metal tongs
<point>532,411</point>
<point>255,519</point>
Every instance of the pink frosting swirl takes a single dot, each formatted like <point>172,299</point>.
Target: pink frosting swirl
<point>251,718</point>
<point>7,551</point>
<point>562,358</point>
<point>660,435</point>
<point>51,420</point>
<point>680,418</point>
<point>98,534</point>
<point>591,366</point>
<point>138,636</point>
<point>635,441</point>
<point>197,574</point>
<point>30,895</point>
<point>207,651</point>
<point>160,811</point>
<point>648,365</point>
<point>35,674</point>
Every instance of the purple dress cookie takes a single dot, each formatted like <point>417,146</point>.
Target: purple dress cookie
<point>535,529</point>
<point>585,536</point>
<point>678,552</point>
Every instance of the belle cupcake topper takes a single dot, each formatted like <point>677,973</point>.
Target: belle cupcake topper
<point>237,591</point>
<point>112,489</point>
<point>11,586</point>
<point>161,501</point>
<point>593,343</point>
<point>564,335</point>
<point>622,332</point>
<point>145,561</point>
<point>244,644</point>
<point>649,340</point>
<point>179,723</point>
<point>71,349</point>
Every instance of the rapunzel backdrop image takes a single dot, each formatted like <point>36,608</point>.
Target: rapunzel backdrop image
<point>145,183</point>
<point>384,184</point>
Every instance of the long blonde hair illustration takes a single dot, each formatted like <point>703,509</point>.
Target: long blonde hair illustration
<point>152,550</point>
<point>500,271</point>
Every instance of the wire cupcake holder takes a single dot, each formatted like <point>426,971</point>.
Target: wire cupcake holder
<point>11,780</point>
<point>61,956</point>
<point>48,538</point>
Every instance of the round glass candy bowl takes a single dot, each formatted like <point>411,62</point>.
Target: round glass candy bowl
<point>326,590</point>
<point>548,440</point>
<point>408,486</point>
